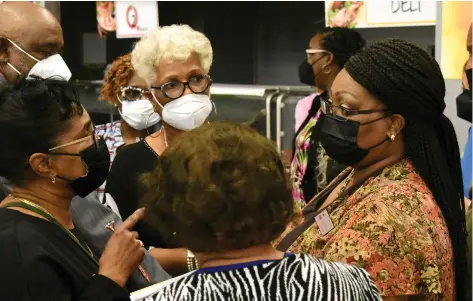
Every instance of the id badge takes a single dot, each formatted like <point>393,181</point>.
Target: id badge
<point>324,222</point>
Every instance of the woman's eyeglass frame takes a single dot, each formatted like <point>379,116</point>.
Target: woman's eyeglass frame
<point>162,88</point>
<point>310,52</point>
<point>94,137</point>
<point>326,107</point>
<point>143,92</point>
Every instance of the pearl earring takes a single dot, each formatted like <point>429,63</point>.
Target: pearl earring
<point>392,137</point>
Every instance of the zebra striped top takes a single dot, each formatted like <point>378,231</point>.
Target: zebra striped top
<point>296,277</point>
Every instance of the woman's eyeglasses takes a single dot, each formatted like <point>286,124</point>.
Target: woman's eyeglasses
<point>94,138</point>
<point>132,93</point>
<point>311,52</point>
<point>175,89</point>
<point>328,108</point>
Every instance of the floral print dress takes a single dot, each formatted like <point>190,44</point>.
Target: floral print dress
<point>300,161</point>
<point>392,227</point>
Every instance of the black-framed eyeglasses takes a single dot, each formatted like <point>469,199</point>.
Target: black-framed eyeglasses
<point>328,108</point>
<point>175,89</point>
<point>132,93</point>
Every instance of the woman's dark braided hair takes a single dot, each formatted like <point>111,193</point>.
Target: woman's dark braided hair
<point>342,42</point>
<point>409,82</point>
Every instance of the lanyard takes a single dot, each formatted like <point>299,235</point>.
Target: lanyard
<point>25,204</point>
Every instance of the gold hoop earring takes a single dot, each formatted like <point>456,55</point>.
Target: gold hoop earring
<point>393,137</point>
<point>53,180</point>
<point>329,69</point>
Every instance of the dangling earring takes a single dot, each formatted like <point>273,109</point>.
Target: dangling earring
<point>53,179</point>
<point>329,69</point>
<point>392,137</point>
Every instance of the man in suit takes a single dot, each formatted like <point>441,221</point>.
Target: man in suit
<point>30,33</point>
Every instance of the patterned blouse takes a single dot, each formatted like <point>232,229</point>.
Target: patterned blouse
<point>392,227</point>
<point>111,133</point>
<point>300,161</point>
<point>294,278</point>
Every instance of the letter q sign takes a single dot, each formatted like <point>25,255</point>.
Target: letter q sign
<point>132,16</point>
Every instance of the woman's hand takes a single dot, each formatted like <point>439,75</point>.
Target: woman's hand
<point>123,252</point>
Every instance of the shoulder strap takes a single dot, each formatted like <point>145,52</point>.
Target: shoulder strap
<point>310,211</point>
<point>53,221</point>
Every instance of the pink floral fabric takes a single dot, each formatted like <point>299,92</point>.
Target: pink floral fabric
<point>392,227</point>
<point>302,109</point>
<point>300,160</point>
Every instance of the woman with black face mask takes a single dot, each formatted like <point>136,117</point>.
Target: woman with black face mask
<point>398,211</point>
<point>50,153</point>
<point>311,169</point>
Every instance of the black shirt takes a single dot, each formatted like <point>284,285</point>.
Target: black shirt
<point>124,185</point>
<point>39,261</point>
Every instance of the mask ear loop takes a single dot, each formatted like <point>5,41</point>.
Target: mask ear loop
<point>162,126</point>
<point>16,70</point>
<point>118,98</point>
<point>147,127</point>
<point>19,48</point>
<point>156,100</point>
<point>26,53</point>
<point>213,104</point>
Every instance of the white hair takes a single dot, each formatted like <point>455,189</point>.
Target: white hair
<point>173,43</point>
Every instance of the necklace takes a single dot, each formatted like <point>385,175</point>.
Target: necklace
<point>53,220</point>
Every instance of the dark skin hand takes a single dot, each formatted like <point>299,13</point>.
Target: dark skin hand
<point>123,252</point>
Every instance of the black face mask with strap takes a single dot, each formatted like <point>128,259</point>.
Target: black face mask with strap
<point>306,73</point>
<point>338,138</point>
<point>97,161</point>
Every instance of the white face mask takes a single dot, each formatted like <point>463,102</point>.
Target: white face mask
<point>186,112</point>
<point>49,67</point>
<point>138,114</point>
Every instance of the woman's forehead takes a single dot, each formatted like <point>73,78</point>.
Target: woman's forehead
<point>137,81</point>
<point>315,42</point>
<point>345,84</point>
<point>177,68</point>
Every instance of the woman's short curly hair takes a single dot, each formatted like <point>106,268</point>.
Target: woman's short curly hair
<point>120,73</point>
<point>219,187</point>
<point>174,43</point>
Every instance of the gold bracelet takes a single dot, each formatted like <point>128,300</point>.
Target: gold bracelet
<point>191,261</point>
